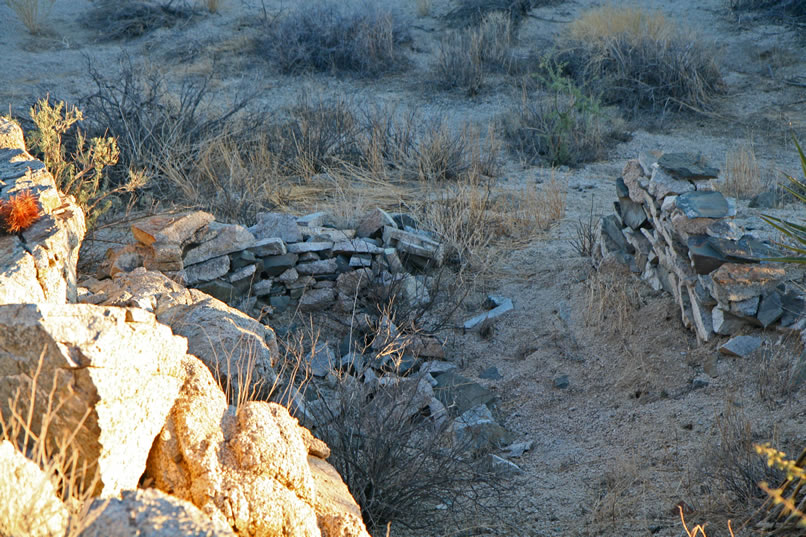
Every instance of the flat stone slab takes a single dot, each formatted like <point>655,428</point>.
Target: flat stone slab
<point>770,309</point>
<point>741,346</point>
<point>357,246</point>
<point>374,223</point>
<point>228,238</point>
<point>687,166</point>
<point>171,228</point>
<point>312,246</point>
<point>276,225</point>
<point>459,394</point>
<point>703,255</point>
<point>269,246</point>
<point>663,184</point>
<point>699,204</point>
<point>207,270</point>
<point>491,314</point>
<point>325,266</point>
<point>733,282</point>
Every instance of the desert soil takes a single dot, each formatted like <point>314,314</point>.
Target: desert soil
<point>615,452</point>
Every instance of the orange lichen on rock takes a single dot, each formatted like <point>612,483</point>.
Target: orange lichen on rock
<point>19,213</point>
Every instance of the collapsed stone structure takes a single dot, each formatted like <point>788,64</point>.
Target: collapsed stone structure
<point>118,379</point>
<point>674,229</point>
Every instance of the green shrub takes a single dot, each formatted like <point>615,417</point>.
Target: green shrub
<point>83,173</point>
<point>557,123</point>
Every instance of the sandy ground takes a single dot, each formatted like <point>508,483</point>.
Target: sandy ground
<point>616,451</point>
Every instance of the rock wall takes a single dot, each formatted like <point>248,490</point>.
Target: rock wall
<point>117,381</point>
<point>677,232</point>
<point>283,260</point>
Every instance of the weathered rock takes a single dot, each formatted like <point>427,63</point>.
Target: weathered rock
<point>31,504</point>
<point>310,246</point>
<point>269,246</point>
<point>494,313</point>
<point>414,244</point>
<point>247,467</point>
<point>325,266</point>
<point>724,323</point>
<point>373,223</point>
<point>734,282</point>
<point>704,257</point>
<point>225,239</point>
<point>337,513</point>
<point>118,364</point>
<point>317,299</point>
<point>152,513</point>
<point>316,219</point>
<point>745,308</point>
<point>228,341</point>
<point>327,233</point>
<point>206,270</point>
<point>635,181</point>
<point>42,266</point>
<point>322,360</point>
<point>687,166</point>
<point>178,229</point>
<point>476,430</point>
<point>219,289</point>
<point>458,393</point>
<point>276,225</point>
<point>662,184</point>
<point>740,346</point>
<point>770,309</point>
<point>631,213</point>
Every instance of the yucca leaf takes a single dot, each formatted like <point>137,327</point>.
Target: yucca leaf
<point>802,156</point>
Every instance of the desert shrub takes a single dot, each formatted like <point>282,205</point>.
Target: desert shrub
<point>730,469</point>
<point>32,13</point>
<point>640,60</point>
<point>742,173</point>
<point>465,56</point>
<point>472,12</point>
<point>584,238</point>
<point>127,19</point>
<point>82,174</point>
<point>364,39</point>
<point>557,123</point>
<point>785,10</point>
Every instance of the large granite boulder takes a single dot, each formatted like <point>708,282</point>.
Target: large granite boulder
<point>113,373</point>
<point>239,350</point>
<point>39,263</point>
<point>247,467</point>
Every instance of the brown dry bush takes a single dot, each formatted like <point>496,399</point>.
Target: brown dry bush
<point>610,301</point>
<point>128,19</point>
<point>640,60</point>
<point>742,173</point>
<point>781,371</point>
<point>32,13</point>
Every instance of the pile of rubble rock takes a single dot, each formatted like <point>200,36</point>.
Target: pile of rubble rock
<point>283,260</point>
<point>678,233</point>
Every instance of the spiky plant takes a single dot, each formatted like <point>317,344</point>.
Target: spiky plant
<point>797,232</point>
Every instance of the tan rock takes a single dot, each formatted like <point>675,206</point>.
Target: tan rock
<point>176,228</point>
<point>44,270</point>
<point>232,344</point>
<point>224,239</point>
<point>733,282</point>
<point>29,503</point>
<point>247,468</point>
<point>337,512</point>
<point>117,364</point>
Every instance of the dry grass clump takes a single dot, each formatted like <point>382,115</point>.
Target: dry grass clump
<point>32,13</point>
<point>781,371</point>
<point>363,40</point>
<point>466,56</point>
<point>742,173</point>
<point>610,301</point>
<point>640,60</point>
<point>557,123</point>
<point>127,19</point>
<point>472,12</point>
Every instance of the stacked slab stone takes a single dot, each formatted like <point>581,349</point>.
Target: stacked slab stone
<point>676,231</point>
<point>282,259</point>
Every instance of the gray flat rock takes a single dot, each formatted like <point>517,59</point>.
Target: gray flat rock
<point>699,204</point>
<point>741,346</point>
<point>687,166</point>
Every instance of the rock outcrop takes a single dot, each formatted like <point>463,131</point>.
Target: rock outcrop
<point>39,263</point>
<point>29,503</point>
<point>114,372</point>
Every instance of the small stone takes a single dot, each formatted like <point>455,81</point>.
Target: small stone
<point>207,270</point>
<point>662,184</point>
<point>491,314</point>
<point>315,219</point>
<point>360,260</point>
<point>325,266</point>
<point>311,246</point>
<point>274,265</point>
<point>700,381</point>
<point>307,257</point>
<point>227,238</point>
<point>612,228</point>
<point>724,323</point>
<point>491,373</point>
<point>518,449</point>
<point>269,246</point>
<point>289,276</point>
<point>242,274</point>
<point>687,166</point>
<point>631,213</point>
<point>321,360</point>
<point>239,260</point>
<point>280,303</point>
<point>262,288</point>
<point>223,291</point>
<point>561,382</point>
<point>276,225</point>
<point>741,346</point>
<point>317,299</point>
<point>621,189</point>
<point>356,246</point>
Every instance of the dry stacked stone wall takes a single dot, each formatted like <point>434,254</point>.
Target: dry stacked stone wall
<point>678,233</point>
